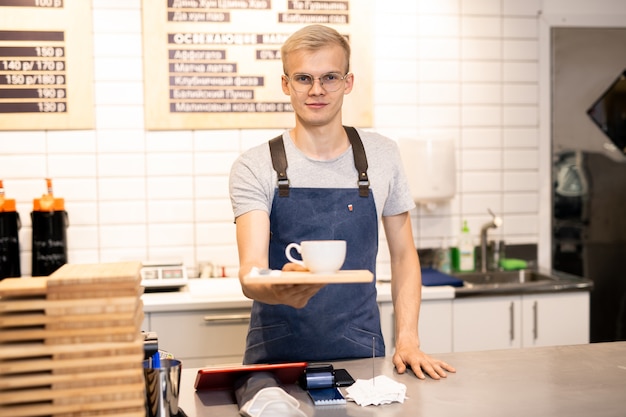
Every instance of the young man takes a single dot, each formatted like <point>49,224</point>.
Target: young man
<point>324,196</point>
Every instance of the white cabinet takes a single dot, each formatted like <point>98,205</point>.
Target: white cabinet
<point>202,337</point>
<point>435,326</point>
<point>550,320</point>
<point>483,323</point>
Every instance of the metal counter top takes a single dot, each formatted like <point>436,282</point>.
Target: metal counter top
<point>582,380</point>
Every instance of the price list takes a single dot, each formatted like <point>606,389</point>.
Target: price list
<point>33,77</point>
<point>215,64</point>
<point>45,80</point>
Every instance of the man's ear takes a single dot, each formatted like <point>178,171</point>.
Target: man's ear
<point>349,83</point>
<point>285,85</point>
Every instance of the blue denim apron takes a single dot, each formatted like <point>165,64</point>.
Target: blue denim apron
<point>340,321</point>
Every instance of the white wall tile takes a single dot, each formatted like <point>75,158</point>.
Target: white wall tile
<point>484,7</point>
<point>520,50</point>
<point>120,140</point>
<point>481,49</point>
<point>439,116</point>
<point>178,163</point>
<point>518,159</point>
<point>390,92</point>
<point>211,186</point>
<point>443,71</point>
<point>84,237</point>
<point>169,141</point>
<point>17,166</point>
<point>439,49</point>
<point>123,236</point>
<point>170,187</point>
<point>214,210</point>
<point>479,93</point>
<point>113,189</point>
<point>520,27</point>
<point>74,189</point>
<point>121,164</point>
<point>122,212</point>
<point>520,181</point>
<point>438,26</point>
<point>479,203</point>
<point>520,115</point>
<point>170,211</point>
<point>481,71</point>
<point>438,93</point>
<point>117,45</point>
<point>214,163</point>
<point>119,117</point>
<point>74,141</point>
<point>480,182</point>
<point>82,213</point>
<point>481,27</point>
<point>481,115</point>
<point>520,137</point>
<point>170,235</point>
<point>123,69</point>
<point>77,165</point>
<point>481,160</point>
<point>22,142</point>
<point>436,7</point>
<point>530,8</point>
<point>216,140</point>
<point>117,21</point>
<point>520,224</point>
<point>126,93</point>
<point>520,72</point>
<point>216,233</point>
<point>116,4</point>
<point>520,94</point>
<point>521,203</point>
<point>481,138</point>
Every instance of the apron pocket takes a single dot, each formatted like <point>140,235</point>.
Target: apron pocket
<point>363,338</point>
<point>258,336</point>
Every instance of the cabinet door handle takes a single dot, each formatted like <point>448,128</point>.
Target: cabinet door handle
<point>227,318</point>
<point>512,317</point>
<point>535,320</point>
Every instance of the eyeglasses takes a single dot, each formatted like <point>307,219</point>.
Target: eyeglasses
<point>302,83</point>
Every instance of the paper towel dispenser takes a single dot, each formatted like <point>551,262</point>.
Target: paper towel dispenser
<point>430,166</point>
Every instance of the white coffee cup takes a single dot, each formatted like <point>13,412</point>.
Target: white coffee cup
<point>319,256</point>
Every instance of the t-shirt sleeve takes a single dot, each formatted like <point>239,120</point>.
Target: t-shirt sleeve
<point>250,182</point>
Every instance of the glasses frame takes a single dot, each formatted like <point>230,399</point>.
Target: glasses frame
<point>308,87</point>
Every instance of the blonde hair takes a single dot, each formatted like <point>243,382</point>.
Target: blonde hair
<point>313,38</point>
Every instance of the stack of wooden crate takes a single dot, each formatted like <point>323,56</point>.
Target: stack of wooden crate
<point>71,343</point>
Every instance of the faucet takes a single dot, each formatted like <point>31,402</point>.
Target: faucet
<point>493,224</point>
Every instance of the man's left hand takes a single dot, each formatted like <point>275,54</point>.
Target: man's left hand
<point>420,363</point>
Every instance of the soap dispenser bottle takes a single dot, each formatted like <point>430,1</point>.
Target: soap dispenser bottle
<point>466,250</point>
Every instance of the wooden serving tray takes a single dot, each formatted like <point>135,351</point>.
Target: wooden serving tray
<point>293,277</point>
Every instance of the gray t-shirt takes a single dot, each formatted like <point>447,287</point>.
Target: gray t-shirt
<point>253,179</point>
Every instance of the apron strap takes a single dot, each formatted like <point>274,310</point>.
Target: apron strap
<point>360,160</point>
<point>279,162</point>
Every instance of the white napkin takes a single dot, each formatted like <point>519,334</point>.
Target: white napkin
<point>264,272</point>
<point>377,391</point>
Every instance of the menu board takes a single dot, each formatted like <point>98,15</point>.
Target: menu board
<point>46,70</point>
<point>215,64</point>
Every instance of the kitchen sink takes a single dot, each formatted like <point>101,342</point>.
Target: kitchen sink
<point>518,282</point>
<point>500,278</point>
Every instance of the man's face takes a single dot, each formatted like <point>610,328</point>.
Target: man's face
<point>315,105</point>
